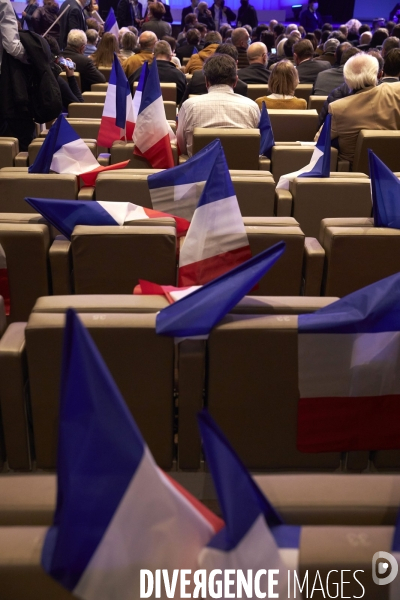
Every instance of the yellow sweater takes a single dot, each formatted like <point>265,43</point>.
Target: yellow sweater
<point>281,103</point>
<point>196,61</point>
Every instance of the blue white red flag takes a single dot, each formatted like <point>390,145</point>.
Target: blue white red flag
<point>349,375</point>
<point>110,24</point>
<point>117,121</point>
<point>385,189</point>
<point>117,512</point>
<point>319,166</point>
<point>137,98</point>
<point>267,135</point>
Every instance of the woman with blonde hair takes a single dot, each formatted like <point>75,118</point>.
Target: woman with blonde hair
<point>104,55</point>
<point>282,84</point>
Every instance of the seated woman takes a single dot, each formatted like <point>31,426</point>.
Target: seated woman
<point>282,84</point>
<point>104,55</point>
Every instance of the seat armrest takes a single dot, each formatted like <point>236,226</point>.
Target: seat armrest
<point>104,159</point>
<point>21,160</point>
<point>86,193</point>
<point>13,397</point>
<point>61,266</point>
<point>343,165</point>
<point>283,203</point>
<point>264,163</point>
<point>313,266</point>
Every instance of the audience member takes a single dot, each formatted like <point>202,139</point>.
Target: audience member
<point>307,67</point>
<point>129,45</point>
<point>389,44</point>
<point>129,12</point>
<point>396,31</point>
<point>92,37</point>
<point>241,39</point>
<point>272,24</point>
<point>365,40</point>
<point>268,38</point>
<point>379,58</point>
<point>329,53</point>
<point>256,71</point>
<point>204,16</point>
<point>312,38</point>
<point>69,89</point>
<point>193,41</point>
<point>345,30</point>
<point>93,24</point>
<point>104,54</point>
<point>221,107</point>
<point>44,17</point>
<point>247,15</point>
<point>27,14</point>
<point>378,37</point>
<point>147,41</point>
<point>291,27</point>
<point>353,27</point>
<point>191,9</point>
<point>167,17</point>
<point>282,84</point>
<point>310,18</point>
<point>72,19</point>
<point>221,14</point>
<point>391,67</point>
<point>212,41</point>
<point>333,78</point>
<point>76,43</point>
<point>155,22</point>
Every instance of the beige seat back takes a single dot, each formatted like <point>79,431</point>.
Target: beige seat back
<point>9,148</point>
<point>121,151</point>
<point>14,187</point>
<point>131,351</point>
<point>293,125</point>
<point>99,87</point>
<point>77,78</point>
<point>94,97</point>
<point>315,199</point>
<point>316,103</point>
<point>111,260</point>
<point>93,303</point>
<point>106,71</point>
<point>257,90</point>
<point>85,110</point>
<point>168,91</point>
<point>170,110</point>
<point>385,144</point>
<point>241,146</point>
<point>255,195</point>
<point>86,128</point>
<point>287,159</point>
<point>304,90</point>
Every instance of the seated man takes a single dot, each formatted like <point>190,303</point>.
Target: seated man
<point>371,106</point>
<point>391,67</point>
<point>307,67</point>
<point>147,41</point>
<point>76,44</point>
<point>330,79</point>
<point>220,107</point>
<point>257,71</point>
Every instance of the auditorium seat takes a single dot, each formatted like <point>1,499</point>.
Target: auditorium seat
<point>77,78</point>
<point>86,128</point>
<point>99,87</point>
<point>85,110</point>
<point>36,144</point>
<point>94,97</point>
<point>309,200</point>
<point>287,159</point>
<point>121,151</point>
<point>106,71</point>
<point>15,185</point>
<point>9,148</point>
<point>316,103</point>
<point>304,90</point>
<point>293,125</point>
<point>257,90</point>
<point>168,91</point>
<point>384,143</point>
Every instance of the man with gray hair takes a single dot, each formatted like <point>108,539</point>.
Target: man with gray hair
<point>257,71</point>
<point>76,44</point>
<point>369,107</point>
<point>241,39</point>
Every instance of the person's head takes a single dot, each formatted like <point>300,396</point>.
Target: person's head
<point>324,37</point>
<point>337,35</point>
<point>339,51</point>
<point>364,27</point>
<point>162,51</point>
<point>361,71</point>
<point>313,6</point>
<point>288,47</point>
<point>365,38</point>
<point>283,79</point>
<point>318,34</point>
<point>92,36</point>
<point>104,54</point>
<point>353,26</point>
<point>77,40</point>
<point>302,31</point>
<point>259,30</point>
<point>147,41</point>
<point>389,26</point>
<point>53,44</point>
<point>279,30</point>
<point>378,37</point>
<point>220,69</point>
<point>312,38</point>
<point>224,28</point>
<point>391,65</point>
<point>257,53</point>
<point>379,58</point>
<point>396,31</point>
<point>302,50</point>
<point>171,41</point>
<point>227,35</point>
<point>157,10</point>
<point>280,49</point>
<point>50,3</point>
<point>93,24</point>
<point>193,37</point>
<point>327,27</point>
<point>268,38</point>
<point>202,7</point>
<point>190,20</point>
<point>331,46</point>
<point>290,28</point>
<point>228,49</point>
<point>202,29</point>
<point>345,30</point>
<point>272,24</point>
<point>129,41</point>
<point>194,3</point>
<point>134,30</point>
<point>212,37</point>
<point>348,53</point>
<point>240,37</point>
<point>244,3</point>
<point>390,44</point>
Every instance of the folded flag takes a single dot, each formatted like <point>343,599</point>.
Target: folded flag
<point>247,540</point>
<point>171,292</point>
<point>385,189</point>
<point>394,590</point>
<point>110,24</point>
<point>349,376</point>
<point>319,166</point>
<point>63,151</point>
<point>117,512</point>
<point>66,214</point>
<point>217,240</point>
<point>267,135</point>
<point>152,132</point>
<point>137,98</point>
<point>117,121</point>
<point>197,313</point>
<point>178,190</point>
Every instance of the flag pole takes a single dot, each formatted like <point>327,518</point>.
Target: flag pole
<point>56,21</point>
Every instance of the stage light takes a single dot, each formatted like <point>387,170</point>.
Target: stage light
<point>296,8</point>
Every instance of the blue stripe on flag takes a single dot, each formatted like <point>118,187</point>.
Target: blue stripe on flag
<point>99,451</point>
<point>219,184</point>
<point>385,188</point>
<point>267,135</point>
<point>60,133</point>
<point>110,21</point>
<point>122,91</point>
<point>323,166</point>
<point>286,536</point>
<point>152,89</point>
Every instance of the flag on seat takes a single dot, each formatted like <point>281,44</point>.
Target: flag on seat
<point>247,540</point>
<point>63,151</point>
<point>267,135</point>
<point>349,375</point>
<point>137,98</point>
<point>116,512</point>
<point>178,190</point>
<point>171,292</point>
<point>66,214</point>
<point>385,189</point>
<point>197,313</point>
<point>110,24</point>
<point>319,166</point>
<point>152,132</point>
<point>217,240</point>
<point>117,121</point>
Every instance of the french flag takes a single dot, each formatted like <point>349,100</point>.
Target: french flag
<point>64,215</point>
<point>110,24</point>
<point>320,163</point>
<point>267,135</point>
<point>385,189</point>
<point>394,590</point>
<point>117,121</point>
<point>171,292</point>
<point>216,241</point>
<point>152,133</point>
<point>63,151</point>
<point>137,98</point>
<point>196,311</point>
<point>246,541</point>
<point>117,512</point>
<point>349,375</point>
<point>178,190</point>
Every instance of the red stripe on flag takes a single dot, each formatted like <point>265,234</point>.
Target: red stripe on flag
<point>129,129</point>
<point>108,132</point>
<point>182,225</point>
<point>344,424</point>
<point>159,155</point>
<point>208,269</point>
<point>89,178</point>
<point>5,289</point>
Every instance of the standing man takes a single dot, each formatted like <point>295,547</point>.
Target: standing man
<point>247,15</point>
<point>129,13</point>
<point>73,18</point>
<point>310,18</point>
<point>221,14</point>
<point>187,11</point>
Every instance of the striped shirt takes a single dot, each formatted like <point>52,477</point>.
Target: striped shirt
<point>221,108</point>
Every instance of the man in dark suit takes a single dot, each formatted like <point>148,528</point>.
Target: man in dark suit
<point>247,15</point>
<point>221,14</point>
<point>197,84</point>
<point>330,79</point>
<point>192,42</point>
<point>310,19</point>
<point>129,12</point>
<point>307,67</point>
<point>74,49</point>
<point>167,16</point>
<point>187,11</point>
<point>73,18</point>
<point>257,71</point>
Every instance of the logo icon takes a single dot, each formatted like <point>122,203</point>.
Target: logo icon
<point>384,568</point>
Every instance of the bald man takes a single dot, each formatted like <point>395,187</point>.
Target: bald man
<point>147,41</point>
<point>257,71</point>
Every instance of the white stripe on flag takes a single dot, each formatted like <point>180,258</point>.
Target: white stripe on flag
<point>137,98</point>
<point>216,227</point>
<point>109,109</point>
<point>151,125</point>
<point>179,200</point>
<point>284,180</point>
<point>74,157</point>
<point>124,211</point>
